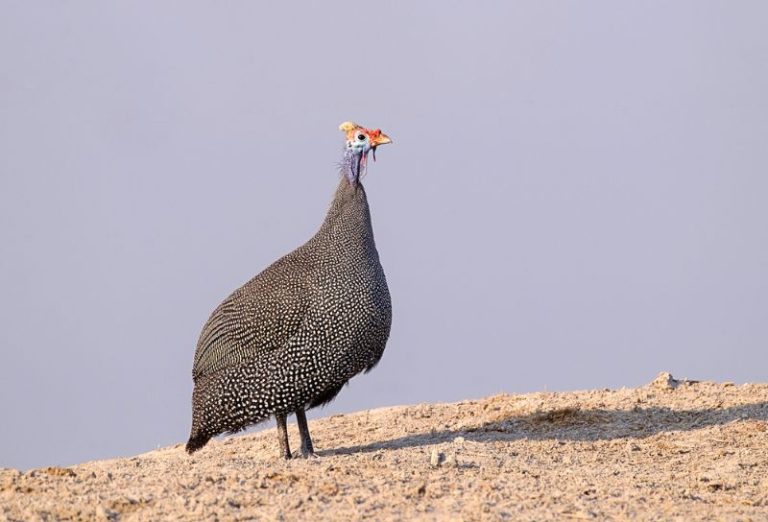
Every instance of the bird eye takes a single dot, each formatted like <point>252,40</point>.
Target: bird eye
<point>361,137</point>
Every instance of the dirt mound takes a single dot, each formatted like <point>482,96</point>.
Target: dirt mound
<point>671,450</point>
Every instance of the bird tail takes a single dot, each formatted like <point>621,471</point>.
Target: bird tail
<point>196,441</point>
<point>200,433</point>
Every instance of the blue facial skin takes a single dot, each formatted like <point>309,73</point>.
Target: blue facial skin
<point>355,155</point>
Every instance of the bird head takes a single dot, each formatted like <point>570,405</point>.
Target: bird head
<point>360,141</point>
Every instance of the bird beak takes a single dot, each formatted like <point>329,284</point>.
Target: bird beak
<point>378,138</point>
<point>381,139</point>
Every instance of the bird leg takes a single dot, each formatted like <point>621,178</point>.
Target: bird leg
<point>282,436</point>
<point>307,451</point>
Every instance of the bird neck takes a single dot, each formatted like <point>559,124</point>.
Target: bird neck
<point>349,201</point>
<point>348,217</point>
<point>353,165</point>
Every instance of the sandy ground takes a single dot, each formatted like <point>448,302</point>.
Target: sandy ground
<point>671,450</point>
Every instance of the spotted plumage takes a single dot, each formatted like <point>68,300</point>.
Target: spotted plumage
<point>290,338</point>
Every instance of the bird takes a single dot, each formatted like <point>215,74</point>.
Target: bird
<point>289,339</point>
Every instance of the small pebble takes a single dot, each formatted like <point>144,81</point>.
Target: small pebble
<point>436,458</point>
<point>665,381</point>
<point>450,461</point>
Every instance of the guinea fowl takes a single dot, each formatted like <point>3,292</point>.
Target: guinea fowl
<point>291,337</point>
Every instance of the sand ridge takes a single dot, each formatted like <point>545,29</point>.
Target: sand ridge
<point>672,450</point>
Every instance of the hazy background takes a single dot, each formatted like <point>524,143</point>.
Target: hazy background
<point>577,196</point>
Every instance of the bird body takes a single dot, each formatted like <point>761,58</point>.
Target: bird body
<point>290,338</point>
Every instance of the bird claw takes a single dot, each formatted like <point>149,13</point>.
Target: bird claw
<point>306,454</point>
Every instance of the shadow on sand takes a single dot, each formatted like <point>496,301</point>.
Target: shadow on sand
<point>574,424</point>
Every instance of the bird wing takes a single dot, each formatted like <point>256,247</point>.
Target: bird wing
<point>258,317</point>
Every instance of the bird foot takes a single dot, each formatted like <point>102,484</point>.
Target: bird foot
<point>309,455</point>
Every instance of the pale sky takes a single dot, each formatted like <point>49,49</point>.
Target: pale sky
<point>576,196</point>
